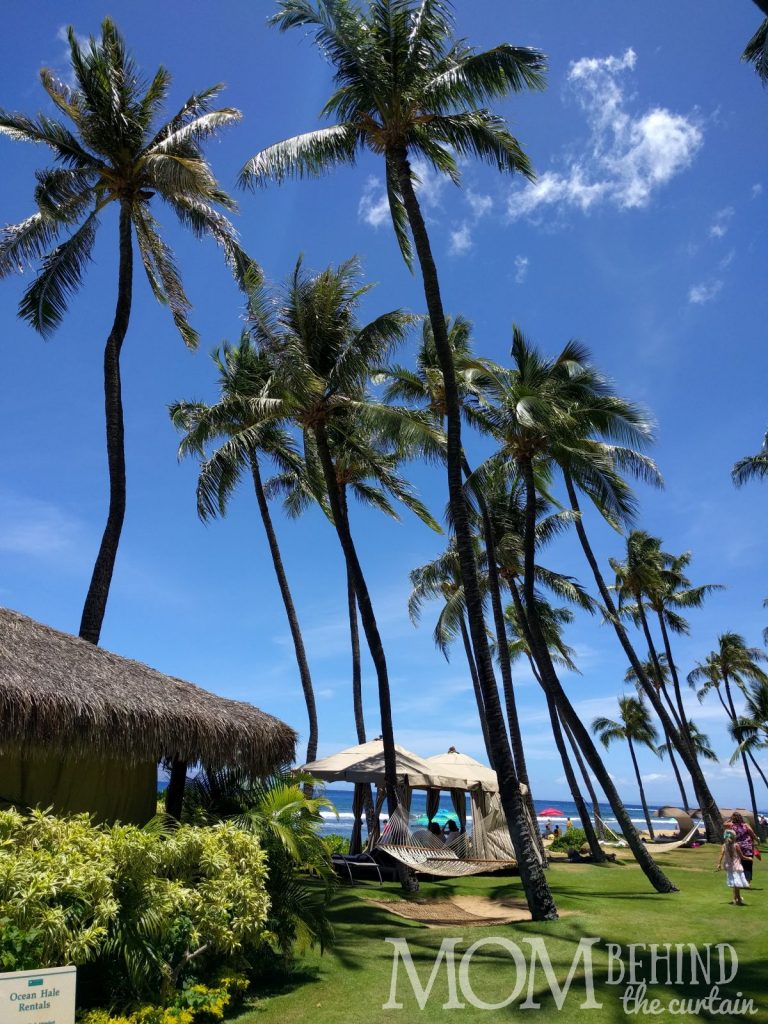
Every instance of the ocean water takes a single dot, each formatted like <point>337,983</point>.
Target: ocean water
<point>340,822</point>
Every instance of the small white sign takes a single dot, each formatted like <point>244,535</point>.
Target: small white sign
<point>38,997</point>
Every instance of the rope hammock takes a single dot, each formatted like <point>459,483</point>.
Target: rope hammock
<point>659,845</point>
<point>425,853</point>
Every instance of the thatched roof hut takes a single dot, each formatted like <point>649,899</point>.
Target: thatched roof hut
<point>62,699</point>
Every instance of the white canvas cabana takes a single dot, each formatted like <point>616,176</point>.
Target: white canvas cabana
<point>364,763</point>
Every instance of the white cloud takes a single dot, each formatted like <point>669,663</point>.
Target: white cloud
<point>721,222</point>
<point>521,268</point>
<point>429,183</point>
<point>373,207</point>
<point>480,204</point>
<point>757,190</point>
<point>655,777</point>
<point>461,240</point>
<point>727,260</point>
<point>704,292</point>
<point>35,528</point>
<point>627,156</point>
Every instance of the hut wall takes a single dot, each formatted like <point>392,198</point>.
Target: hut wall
<point>108,790</point>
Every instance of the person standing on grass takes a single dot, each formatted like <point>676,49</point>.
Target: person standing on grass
<point>747,841</point>
<point>730,859</point>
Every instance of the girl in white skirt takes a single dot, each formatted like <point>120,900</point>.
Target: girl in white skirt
<point>730,859</point>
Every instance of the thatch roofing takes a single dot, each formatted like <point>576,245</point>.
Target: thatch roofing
<point>64,695</point>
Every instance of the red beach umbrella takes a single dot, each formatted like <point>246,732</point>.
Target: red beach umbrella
<point>551,812</point>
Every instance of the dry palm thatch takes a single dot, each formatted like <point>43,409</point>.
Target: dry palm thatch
<point>63,695</point>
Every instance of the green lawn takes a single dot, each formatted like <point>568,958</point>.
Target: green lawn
<point>350,983</point>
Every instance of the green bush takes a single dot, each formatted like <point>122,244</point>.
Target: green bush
<point>336,843</point>
<point>571,839</point>
<point>142,909</point>
<point>195,1004</point>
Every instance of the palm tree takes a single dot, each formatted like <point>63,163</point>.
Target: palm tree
<point>546,415</point>
<point>752,467</point>
<point>440,580</point>
<point>659,672</point>
<point>701,742</point>
<point>750,730</point>
<point>115,153</point>
<point>552,621</point>
<point>424,388</point>
<point>562,413</point>
<point>369,472</point>
<point>324,357</point>
<point>634,726</point>
<point>405,89</point>
<point>249,435</point>
<point>756,50</point>
<point>732,664</point>
<point>673,593</point>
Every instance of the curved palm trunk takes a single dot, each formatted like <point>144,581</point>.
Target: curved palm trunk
<point>532,875</point>
<point>367,615</point>
<point>357,689</point>
<point>551,684</point>
<point>745,763</point>
<point>675,678</point>
<point>290,610</point>
<point>710,812</point>
<point>657,671</point>
<point>596,811</point>
<point>476,687</point>
<point>643,801</point>
<point>570,778</point>
<point>354,636</point>
<point>357,678</point>
<point>505,664</point>
<point>676,770</point>
<point>98,591</point>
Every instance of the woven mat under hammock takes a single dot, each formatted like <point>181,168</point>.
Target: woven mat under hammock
<point>476,911</point>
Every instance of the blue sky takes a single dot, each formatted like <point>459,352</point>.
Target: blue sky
<point>643,237</point>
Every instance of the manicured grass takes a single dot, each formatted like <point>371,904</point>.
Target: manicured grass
<point>351,982</point>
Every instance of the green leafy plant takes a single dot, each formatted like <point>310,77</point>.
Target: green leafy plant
<point>300,879</point>
<point>143,910</point>
<point>572,839</point>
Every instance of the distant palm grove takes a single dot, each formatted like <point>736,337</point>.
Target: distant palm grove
<point>319,403</point>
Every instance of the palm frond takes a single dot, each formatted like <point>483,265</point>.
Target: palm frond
<point>44,303</point>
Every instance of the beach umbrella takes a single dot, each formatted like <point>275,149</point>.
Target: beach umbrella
<point>550,812</point>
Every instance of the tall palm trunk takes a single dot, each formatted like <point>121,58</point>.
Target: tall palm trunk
<point>744,762</point>
<point>551,684</point>
<point>354,637</point>
<point>290,609</point>
<point>710,812</point>
<point>643,801</point>
<point>98,592</point>
<point>676,770</point>
<point>538,895</point>
<point>357,685</point>
<point>596,811</point>
<point>505,663</point>
<point>367,615</point>
<point>675,678</point>
<point>476,687</point>
<point>570,778</point>
<point>656,663</point>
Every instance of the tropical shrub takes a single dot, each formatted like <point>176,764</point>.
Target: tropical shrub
<point>336,843</point>
<point>300,878</point>
<point>195,1004</point>
<point>571,839</point>
<point>141,910</point>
